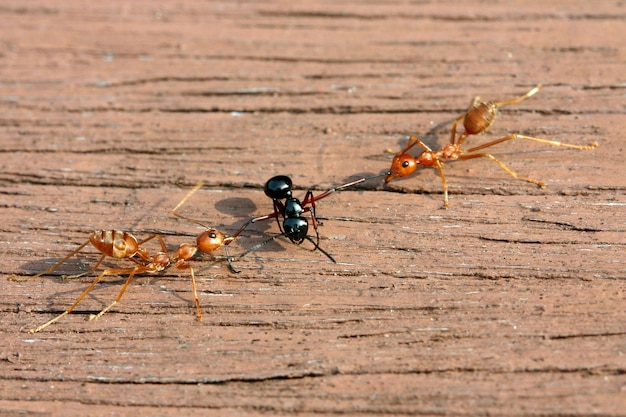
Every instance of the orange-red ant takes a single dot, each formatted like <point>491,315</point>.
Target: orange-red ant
<point>294,225</point>
<point>123,245</point>
<point>476,120</point>
<point>116,244</point>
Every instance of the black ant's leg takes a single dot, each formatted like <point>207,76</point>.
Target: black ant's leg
<point>338,188</point>
<point>229,260</point>
<point>259,245</point>
<point>318,247</point>
<point>279,209</point>
<point>265,242</point>
<point>309,197</point>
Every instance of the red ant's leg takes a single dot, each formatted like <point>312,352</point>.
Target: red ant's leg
<point>530,138</point>
<point>58,264</point>
<point>520,98</point>
<point>443,182</point>
<point>80,298</point>
<point>131,274</point>
<point>82,274</point>
<point>504,167</point>
<point>184,265</point>
<point>454,125</point>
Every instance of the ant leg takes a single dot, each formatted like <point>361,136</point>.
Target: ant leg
<point>195,293</point>
<point>411,142</point>
<point>242,228</point>
<point>162,243</point>
<point>82,274</point>
<point>309,197</point>
<point>259,245</point>
<point>69,310</point>
<point>143,254</point>
<point>278,208</point>
<point>444,183</point>
<point>520,98</point>
<point>229,260</point>
<point>274,215</point>
<point>461,139</point>
<point>149,238</point>
<point>193,287</point>
<point>504,167</point>
<point>265,242</point>
<point>318,247</point>
<point>454,125</point>
<point>414,140</point>
<point>131,274</point>
<point>530,138</point>
<point>58,264</point>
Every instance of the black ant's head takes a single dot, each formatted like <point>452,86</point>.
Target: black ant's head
<point>278,187</point>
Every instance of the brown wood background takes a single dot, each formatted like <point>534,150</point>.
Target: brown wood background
<point>510,303</point>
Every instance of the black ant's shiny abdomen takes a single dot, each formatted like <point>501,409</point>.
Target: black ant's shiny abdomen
<point>296,229</point>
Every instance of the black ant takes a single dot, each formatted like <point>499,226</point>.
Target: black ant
<point>294,225</point>
<point>477,119</point>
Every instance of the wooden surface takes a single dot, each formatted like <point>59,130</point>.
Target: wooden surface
<point>512,302</point>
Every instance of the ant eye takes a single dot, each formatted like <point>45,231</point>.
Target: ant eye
<point>405,164</point>
<point>213,235</point>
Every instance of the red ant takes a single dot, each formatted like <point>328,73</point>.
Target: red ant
<point>116,244</point>
<point>477,119</point>
<point>123,245</point>
<point>294,225</point>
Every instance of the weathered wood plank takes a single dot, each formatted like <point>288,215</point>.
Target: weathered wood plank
<point>509,303</point>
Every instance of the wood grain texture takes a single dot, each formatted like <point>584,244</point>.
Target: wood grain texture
<point>512,302</point>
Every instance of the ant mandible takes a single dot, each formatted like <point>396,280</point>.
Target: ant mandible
<point>476,120</point>
<point>115,244</point>
<point>294,225</point>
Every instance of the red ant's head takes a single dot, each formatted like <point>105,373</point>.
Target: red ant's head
<point>210,240</point>
<point>402,165</point>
